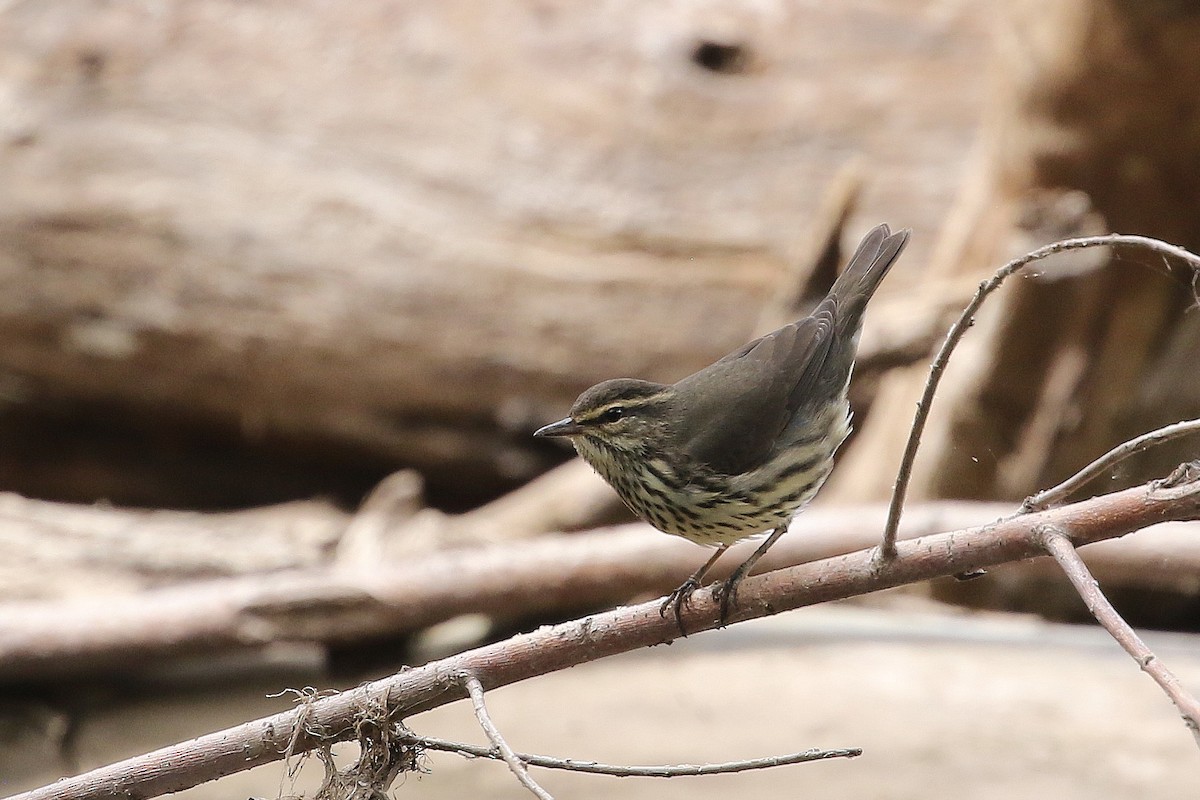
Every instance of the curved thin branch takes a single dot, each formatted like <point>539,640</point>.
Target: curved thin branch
<point>1059,546</point>
<point>622,771</point>
<point>1056,494</point>
<point>887,547</point>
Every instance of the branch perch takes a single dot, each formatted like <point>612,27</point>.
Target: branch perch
<point>549,575</point>
<point>556,647</point>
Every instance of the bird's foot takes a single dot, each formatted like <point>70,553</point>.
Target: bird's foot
<point>677,600</point>
<point>725,593</point>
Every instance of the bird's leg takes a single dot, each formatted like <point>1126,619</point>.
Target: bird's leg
<point>679,597</point>
<point>727,592</point>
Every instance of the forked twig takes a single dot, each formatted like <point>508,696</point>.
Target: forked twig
<point>475,690</point>
<point>1056,494</point>
<point>887,547</point>
<point>1063,551</point>
<point>622,771</point>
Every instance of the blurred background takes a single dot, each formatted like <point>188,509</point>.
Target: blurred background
<point>285,288</point>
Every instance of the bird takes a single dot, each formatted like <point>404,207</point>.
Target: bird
<point>737,449</point>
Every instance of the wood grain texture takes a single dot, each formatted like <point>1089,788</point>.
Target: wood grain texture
<point>415,230</point>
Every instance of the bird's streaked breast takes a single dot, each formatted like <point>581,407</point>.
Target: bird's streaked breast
<point>715,509</point>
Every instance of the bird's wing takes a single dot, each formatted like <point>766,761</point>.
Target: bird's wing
<point>737,408</point>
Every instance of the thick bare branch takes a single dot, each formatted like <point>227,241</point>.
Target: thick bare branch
<point>550,575</point>
<point>560,646</point>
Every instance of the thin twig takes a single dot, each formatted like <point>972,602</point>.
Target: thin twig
<point>475,690</point>
<point>1057,494</point>
<point>1063,551</point>
<point>622,771</point>
<point>887,548</point>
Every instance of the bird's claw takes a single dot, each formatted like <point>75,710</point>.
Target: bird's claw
<point>725,593</point>
<point>677,600</point>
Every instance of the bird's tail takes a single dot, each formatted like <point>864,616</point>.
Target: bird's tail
<point>875,255</point>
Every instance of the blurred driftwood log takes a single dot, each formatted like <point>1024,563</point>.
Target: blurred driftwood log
<point>106,615</point>
<point>263,251</point>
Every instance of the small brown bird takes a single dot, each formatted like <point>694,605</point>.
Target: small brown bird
<point>739,447</point>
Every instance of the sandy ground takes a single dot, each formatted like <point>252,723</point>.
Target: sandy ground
<point>944,706</point>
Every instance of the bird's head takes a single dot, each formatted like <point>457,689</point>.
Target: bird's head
<point>623,414</point>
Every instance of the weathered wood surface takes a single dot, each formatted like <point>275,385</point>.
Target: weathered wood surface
<point>412,231</point>
<point>1091,125</point>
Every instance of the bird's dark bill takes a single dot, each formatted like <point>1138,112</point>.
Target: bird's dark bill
<point>564,427</point>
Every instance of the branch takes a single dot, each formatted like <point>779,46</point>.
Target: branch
<point>1057,494</point>
<point>515,764</point>
<point>553,575</point>
<point>620,771</point>
<point>562,575</point>
<point>1060,547</point>
<point>556,647</point>
<point>887,548</point>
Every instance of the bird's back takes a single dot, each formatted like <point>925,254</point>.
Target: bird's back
<point>757,401</point>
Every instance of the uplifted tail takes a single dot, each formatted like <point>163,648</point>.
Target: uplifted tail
<point>875,255</point>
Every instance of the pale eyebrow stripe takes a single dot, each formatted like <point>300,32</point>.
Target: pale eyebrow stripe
<point>633,404</point>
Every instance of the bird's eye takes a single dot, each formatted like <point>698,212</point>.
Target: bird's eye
<point>612,414</point>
